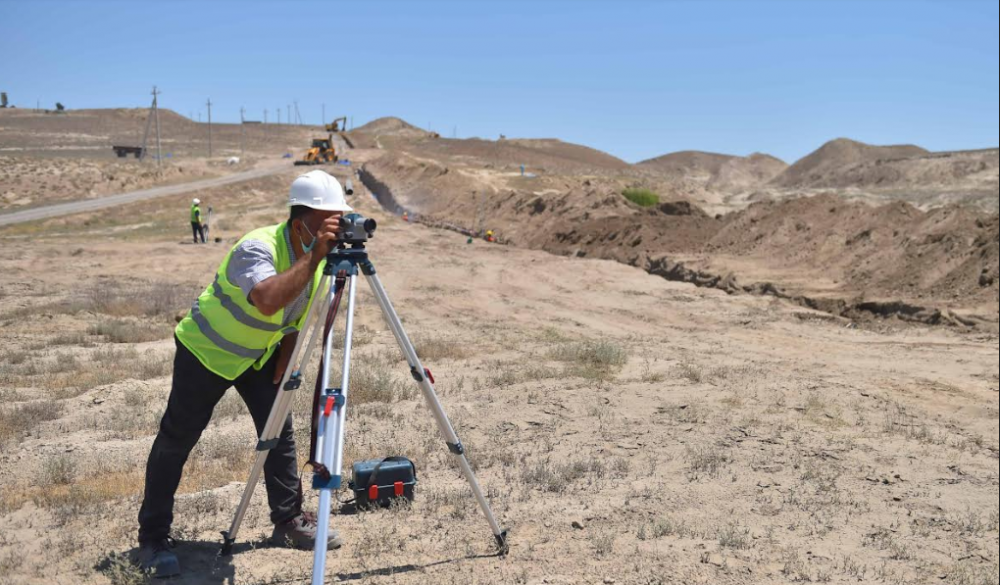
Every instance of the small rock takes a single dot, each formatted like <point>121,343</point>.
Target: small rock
<point>578,524</point>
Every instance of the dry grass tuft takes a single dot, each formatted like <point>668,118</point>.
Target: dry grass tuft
<point>662,528</point>
<point>707,461</point>
<point>690,372</point>
<point>594,360</point>
<point>558,477</point>
<point>735,537</point>
<point>128,331</point>
<point>374,380</point>
<point>16,421</point>
<point>59,470</point>
<point>160,300</point>
<point>69,375</point>
<point>436,349</point>
<point>120,570</point>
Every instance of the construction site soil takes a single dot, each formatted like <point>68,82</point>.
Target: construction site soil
<point>853,256</point>
<point>628,429</point>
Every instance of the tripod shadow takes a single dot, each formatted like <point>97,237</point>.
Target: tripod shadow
<point>403,569</point>
<point>201,563</point>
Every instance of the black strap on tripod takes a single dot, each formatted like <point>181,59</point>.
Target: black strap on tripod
<point>331,316</point>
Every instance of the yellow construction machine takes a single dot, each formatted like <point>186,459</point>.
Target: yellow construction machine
<point>338,125</point>
<point>321,152</point>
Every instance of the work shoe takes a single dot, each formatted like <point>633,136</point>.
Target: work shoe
<point>300,532</point>
<point>157,559</point>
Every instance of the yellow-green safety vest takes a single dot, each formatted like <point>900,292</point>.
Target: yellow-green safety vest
<point>195,214</point>
<point>224,331</point>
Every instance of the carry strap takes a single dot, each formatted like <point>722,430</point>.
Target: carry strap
<point>331,316</point>
<point>373,480</point>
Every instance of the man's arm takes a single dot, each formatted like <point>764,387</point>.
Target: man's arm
<point>285,355</point>
<point>275,293</point>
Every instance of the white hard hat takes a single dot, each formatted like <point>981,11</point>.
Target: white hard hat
<point>196,201</point>
<point>318,190</point>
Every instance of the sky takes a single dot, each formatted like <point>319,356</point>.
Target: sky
<point>635,78</point>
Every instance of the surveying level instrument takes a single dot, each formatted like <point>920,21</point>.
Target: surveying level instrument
<point>343,265</point>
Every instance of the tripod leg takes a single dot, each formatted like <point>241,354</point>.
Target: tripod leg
<point>330,434</point>
<point>291,381</point>
<point>422,377</point>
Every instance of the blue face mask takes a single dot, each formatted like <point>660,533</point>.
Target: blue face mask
<point>310,247</point>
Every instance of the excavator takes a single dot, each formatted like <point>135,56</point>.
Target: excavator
<point>338,125</point>
<point>321,152</point>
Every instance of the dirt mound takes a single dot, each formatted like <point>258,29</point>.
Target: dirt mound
<point>720,172</point>
<point>741,173</point>
<point>823,247</point>
<point>390,126</point>
<point>891,251</point>
<point>682,164</point>
<point>569,152</point>
<point>825,167</point>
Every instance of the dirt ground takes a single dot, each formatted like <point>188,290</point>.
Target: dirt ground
<point>629,430</point>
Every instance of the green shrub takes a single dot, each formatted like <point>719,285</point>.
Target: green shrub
<point>642,197</point>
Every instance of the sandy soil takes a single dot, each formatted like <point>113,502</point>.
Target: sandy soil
<point>630,430</point>
<point>50,158</point>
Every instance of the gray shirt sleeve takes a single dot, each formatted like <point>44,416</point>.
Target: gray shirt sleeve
<point>250,265</point>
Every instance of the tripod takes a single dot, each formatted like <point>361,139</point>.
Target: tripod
<point>330,404</point>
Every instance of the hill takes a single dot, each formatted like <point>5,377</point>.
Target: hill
<point>826,166</point>
<point>719,172</point>
<point>91,133</point>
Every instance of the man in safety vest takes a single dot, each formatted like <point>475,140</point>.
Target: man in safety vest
<point>240,332</point>
<point>197,227</point>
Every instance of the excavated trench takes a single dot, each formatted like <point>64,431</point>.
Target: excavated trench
<point>679,272</point>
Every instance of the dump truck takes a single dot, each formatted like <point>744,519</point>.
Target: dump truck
<point>321,152</point>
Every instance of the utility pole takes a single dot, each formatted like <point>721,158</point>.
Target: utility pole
<point>156,115</point>
<point>243,125</point>
<point>288,118</point>
<point>265,115</point>
<point>279,115</point>
<point>209,127</point>
<point>323,121</point>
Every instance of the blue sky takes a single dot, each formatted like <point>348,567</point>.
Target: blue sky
<point>634,78</point>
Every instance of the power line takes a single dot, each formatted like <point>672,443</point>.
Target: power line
<point>243,125</point>
<point>209,127</point>
<point>156,114</point>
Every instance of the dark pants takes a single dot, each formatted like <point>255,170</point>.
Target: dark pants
<point>198,231</point>
<point>193,397</point>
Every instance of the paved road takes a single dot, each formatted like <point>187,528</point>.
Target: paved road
<point>132,197</point>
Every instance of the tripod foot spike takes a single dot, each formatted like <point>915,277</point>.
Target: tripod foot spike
<point>227,544</point>
<point>503,545</point>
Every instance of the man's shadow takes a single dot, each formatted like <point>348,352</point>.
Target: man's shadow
<point>201,563</point>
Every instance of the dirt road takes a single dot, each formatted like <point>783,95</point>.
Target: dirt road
<point>141,195</point>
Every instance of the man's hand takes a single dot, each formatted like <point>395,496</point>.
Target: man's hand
<point>327,236</point>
